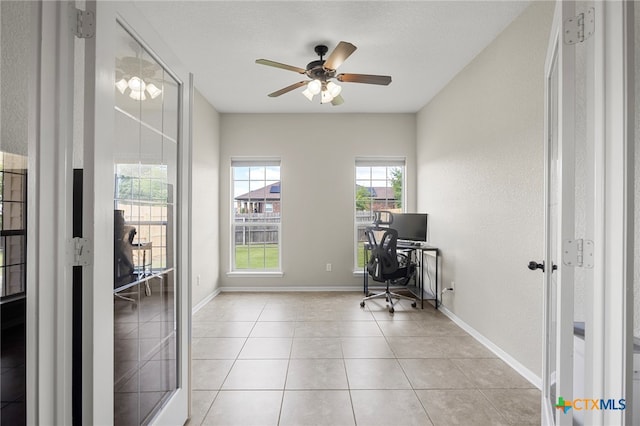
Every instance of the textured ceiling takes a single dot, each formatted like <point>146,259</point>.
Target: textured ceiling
<point>421,44</point>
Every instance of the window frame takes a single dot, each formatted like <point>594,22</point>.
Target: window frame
<point>388,163</point>
<point>264,162</point>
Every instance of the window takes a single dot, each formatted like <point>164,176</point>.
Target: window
<point>255,216</point>
<point>142,195</point>
<point>13,223</point>
<point>379,186</point>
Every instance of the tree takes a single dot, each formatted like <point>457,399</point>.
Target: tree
<point>396,184</point>
<point>363,198</point>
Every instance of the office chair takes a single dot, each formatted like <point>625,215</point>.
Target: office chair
<point>386,264</point>
<point>125,271</point>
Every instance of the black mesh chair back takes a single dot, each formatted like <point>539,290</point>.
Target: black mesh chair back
<point>383,262</point>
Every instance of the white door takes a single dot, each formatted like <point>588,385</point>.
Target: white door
<point>136,154</point>
<point>586,348</point>
<point>559,224</point>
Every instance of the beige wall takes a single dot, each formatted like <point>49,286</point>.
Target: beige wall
<point>317,153</point>
<point>205,253</point>
<point>480,172</point>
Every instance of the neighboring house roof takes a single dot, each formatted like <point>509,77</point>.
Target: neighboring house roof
<point>380,192</point>
<point>272,193</point>
<point>268,193</point>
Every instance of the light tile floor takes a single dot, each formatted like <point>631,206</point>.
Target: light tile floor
<point>319,359</point>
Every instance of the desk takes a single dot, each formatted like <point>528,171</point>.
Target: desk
<point>136,279</point>
<point>420,249</point>
<point>143,267</point>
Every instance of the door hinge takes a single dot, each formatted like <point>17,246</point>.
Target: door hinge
<point>577,253</point>
<point>81,252</point>
<point>580,27</point>
<point>83,23</point>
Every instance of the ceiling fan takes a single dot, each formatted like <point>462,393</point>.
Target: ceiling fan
<point>322,71</point>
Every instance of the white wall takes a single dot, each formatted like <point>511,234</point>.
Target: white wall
<point>317,153</point>
<point>480,177</point>
<point>205,253</point>
<point>17,19</point>
<point>636,275</point>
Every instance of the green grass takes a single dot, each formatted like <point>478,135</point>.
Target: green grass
<point>257,256</point>
<point>266,256</point>
<point>361,259</point>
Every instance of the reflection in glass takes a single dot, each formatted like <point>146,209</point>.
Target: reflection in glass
<point>145,181</point>
<point>553,232</point>
<point>13,193</point>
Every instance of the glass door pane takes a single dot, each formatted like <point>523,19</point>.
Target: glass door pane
<point>552,234</point>
<point>145,182</point>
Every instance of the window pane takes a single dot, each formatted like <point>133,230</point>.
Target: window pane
<point>256,217</point>
<point>241,173</point>
<point>257,173</point>
<point>273,173</point>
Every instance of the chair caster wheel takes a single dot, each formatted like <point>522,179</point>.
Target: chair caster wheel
<point>391,310</point>
<point>413,305</point>
<point>362,304</point>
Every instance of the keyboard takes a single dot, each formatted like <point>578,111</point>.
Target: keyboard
<point>410,243</point>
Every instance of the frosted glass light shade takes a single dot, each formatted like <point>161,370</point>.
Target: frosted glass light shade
<point>334,89</point>
<point>122,85</point>
<point>136,84</point>
<point>326,97</point>
<point>307,93</point>
<point>153,91</point>
<point>314,86</point>
<point>137,95</point>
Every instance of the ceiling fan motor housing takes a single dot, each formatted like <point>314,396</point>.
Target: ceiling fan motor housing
<point>316,70</point>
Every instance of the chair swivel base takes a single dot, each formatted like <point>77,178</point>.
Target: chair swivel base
<point>389,296</point>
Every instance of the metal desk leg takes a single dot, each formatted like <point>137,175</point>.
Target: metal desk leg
<point>421,287</point>
<point>366,274</point>
<point>437,279</point>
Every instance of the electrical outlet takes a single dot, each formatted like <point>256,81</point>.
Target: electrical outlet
<point>328,267</point>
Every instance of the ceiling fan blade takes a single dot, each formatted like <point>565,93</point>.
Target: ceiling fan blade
<point>342,51</point>
<point>383,80</point>
<point>338,100</point>
<point>279,65</point>
<point>287,89</point>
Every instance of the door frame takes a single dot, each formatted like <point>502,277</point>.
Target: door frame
<point>98,357</point>
<point>48,271</point>
<point>612,344</point>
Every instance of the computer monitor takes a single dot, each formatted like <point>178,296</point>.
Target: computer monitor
<point>410,226</point>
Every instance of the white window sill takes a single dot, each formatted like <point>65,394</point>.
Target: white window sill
<point>358,273</point>
<point>255,274</point>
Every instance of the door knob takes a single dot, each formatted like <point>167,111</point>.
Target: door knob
<point>533,265</point>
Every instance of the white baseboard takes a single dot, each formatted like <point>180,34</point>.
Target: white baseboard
<point>533,378</point>
<point>285,289</point>
<point>205,301</point>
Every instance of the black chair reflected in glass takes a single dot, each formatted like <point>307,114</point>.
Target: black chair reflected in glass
<point>386,264</point>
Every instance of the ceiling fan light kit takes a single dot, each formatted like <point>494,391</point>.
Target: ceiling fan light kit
<point>136,76</point>
<point>321,72</point>
<point>137,88</point>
